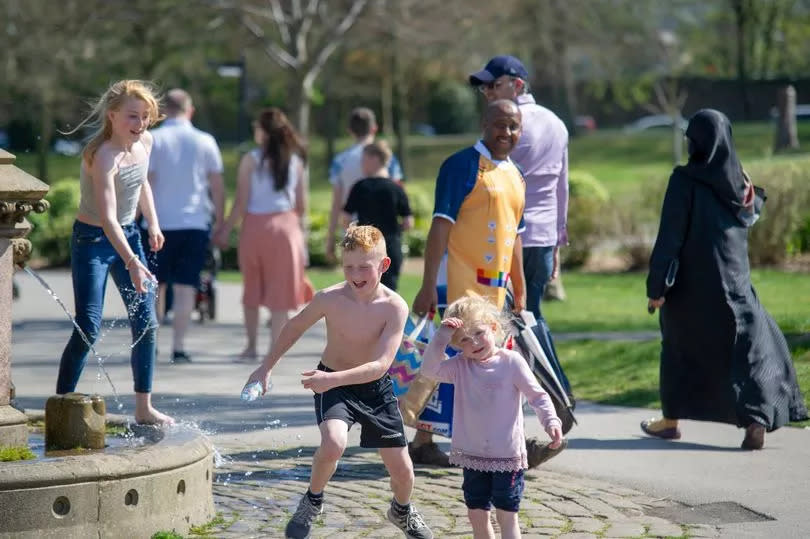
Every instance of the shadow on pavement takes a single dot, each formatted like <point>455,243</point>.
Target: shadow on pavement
<point>349,469</point>
<point>642,443</point>
<point>216,414</point>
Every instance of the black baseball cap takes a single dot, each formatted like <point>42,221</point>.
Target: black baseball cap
<point>498,67</point>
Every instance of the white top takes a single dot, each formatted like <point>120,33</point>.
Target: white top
<point>263,195</point>
<point>182,159</point>
<point>346,169</point>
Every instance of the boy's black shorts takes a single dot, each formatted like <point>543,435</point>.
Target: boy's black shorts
<point>372,404</point>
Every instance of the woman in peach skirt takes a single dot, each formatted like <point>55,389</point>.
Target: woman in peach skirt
<point>271,196</point>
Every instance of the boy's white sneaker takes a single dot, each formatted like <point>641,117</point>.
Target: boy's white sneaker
<point>411,523</point>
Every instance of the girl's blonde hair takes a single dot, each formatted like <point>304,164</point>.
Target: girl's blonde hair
<point>474,311</point>
<point>113,99</point>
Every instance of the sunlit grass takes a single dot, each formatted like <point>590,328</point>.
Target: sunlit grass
<point>618,302</point>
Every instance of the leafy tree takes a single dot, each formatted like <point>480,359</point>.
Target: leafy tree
<point>298,36</point>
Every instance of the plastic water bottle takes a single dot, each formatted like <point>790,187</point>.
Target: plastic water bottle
<point>151,286</point>
<point>253,391</point>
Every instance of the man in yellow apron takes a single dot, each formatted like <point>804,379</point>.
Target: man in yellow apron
<point>473,238</point>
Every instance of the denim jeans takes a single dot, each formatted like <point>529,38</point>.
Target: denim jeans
<point>537,265</point>
<point>92,258</point>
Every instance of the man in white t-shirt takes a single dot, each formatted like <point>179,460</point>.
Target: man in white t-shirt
<point>347,169</point>
<point>185,172</point>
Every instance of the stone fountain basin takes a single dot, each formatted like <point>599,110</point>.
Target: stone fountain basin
<point>123,492</point>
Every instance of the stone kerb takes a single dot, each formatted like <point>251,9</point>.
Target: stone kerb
<point>162,486</point>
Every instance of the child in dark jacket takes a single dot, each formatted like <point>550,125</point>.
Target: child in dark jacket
<point>378,201</point>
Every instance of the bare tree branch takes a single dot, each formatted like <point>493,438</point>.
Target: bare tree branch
<point>281,22</point>
<point>334,38</point>
<point>306,25</point>
<point>279,55</point>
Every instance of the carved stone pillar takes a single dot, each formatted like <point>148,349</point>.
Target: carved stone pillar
<point>20,194</point>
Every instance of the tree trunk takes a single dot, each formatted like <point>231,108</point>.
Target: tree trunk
<point>768,31</point>
<point>787,137</point>
<point>387,98</point>
<point>299,103</point>
<point>565,93</point>
<point>741,23</point>
<point>45,135</point>
<point>331,129</point>
<point>401,85</point>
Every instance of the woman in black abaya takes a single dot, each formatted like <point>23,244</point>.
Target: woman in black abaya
<point>723,358</point>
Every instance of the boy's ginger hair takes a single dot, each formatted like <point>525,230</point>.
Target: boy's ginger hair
<point>380,150</point>
<point>365,237</point>
<point>474,311</point>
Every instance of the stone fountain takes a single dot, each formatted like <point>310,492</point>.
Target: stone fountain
<point>163,483</point>
<point>20,194</point>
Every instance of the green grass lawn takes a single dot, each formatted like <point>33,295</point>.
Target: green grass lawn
<point>610,372</point>
<point>622,372</point>
<point>623,162</point>
<point>626,373</point>
<point>617,302</point>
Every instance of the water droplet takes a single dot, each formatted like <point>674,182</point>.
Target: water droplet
<point>298,436</point>
<point>120,406</point>
<point>248,474</point>
<point>177,400</point>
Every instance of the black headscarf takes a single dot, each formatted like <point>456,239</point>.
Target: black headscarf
<point>713,161</point>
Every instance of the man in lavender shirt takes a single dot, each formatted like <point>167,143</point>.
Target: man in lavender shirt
<point>542,155</point>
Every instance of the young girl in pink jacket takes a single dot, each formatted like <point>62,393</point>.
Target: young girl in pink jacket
<point>488,440</point>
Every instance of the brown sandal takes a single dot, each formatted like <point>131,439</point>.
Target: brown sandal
<point>666,433</point>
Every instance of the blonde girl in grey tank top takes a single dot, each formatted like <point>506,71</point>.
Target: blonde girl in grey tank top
<point>106,240</point>
<point>127,182</point>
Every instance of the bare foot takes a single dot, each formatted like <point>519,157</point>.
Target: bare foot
<point>153,417</point>
<point>248,355</point>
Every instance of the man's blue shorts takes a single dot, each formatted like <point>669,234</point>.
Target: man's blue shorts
<point>482,490</point>
<point>183,256</point>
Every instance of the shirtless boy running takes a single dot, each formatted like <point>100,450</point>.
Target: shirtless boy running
<point>364,323</point>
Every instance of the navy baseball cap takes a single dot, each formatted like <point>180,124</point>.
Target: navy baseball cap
<point>498,67</point>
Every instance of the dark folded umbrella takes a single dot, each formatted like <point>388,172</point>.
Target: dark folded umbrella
<point>533,341</point>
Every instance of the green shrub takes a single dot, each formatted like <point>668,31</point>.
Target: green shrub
<point>784,227</point>
<point>587,203</point>
<point>782,231</point>
<point>636,221</point>
<point>414,242</point>
<point>420,201</point>
<point>52,230</point>
<point>452,108</point>
<point>801,239</point>
<point>583,184</point>
<point>316,242</point>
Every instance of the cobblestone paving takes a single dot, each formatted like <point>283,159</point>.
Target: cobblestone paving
<point>256,492</point>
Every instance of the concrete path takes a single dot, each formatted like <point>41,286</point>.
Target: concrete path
<point>610,482</point>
